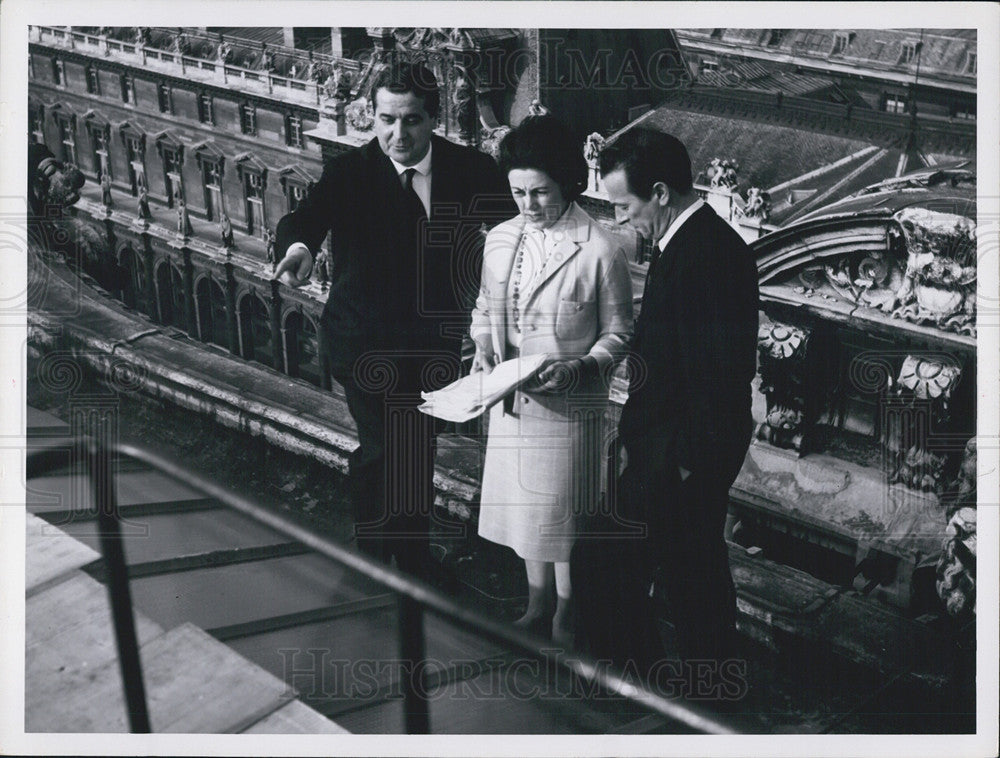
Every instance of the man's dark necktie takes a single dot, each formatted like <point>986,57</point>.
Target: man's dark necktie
<point>412,198</point>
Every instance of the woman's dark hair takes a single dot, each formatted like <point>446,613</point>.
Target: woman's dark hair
<point>648,157</point>
<point>545,143</point>
<point>402,78</point>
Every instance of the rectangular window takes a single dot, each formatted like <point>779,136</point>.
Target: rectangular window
<point>839,44</point>
<point>248,119</point>
<point>294,131</point>
<point>908,53</point>
<point>708,65</point>
<point>163,97</point>
<point>101,163</point>
<point>93,82</point>
<point>254,186</point>
<point>775,37</point>
<point>58,72</point>
<point>68,139</point>
<point>205,109</point>
<point>895,104</point>
<point>36,126</point>
<point>128,89</point>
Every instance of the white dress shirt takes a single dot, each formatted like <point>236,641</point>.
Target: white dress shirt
<point>421,179</point>
<point>421,185</point>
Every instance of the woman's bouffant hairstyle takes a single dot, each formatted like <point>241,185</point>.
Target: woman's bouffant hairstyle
<point>545,143</point>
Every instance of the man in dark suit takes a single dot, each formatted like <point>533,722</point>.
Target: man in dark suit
<point>686,426</point>
<point>406,213</point>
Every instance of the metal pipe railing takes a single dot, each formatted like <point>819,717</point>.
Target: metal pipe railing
<point>415,597</point>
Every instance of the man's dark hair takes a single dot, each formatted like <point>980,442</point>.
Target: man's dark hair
<point>402,78</point>
<point>546,144</point>
<point>648,157</point>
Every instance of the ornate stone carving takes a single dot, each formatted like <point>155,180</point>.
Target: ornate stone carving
<point>920,405</point>
<point>956,568</point>
<point>359,115</point>
<point>490,140</point>
<point>537,109</point>
<point>939,282</point>
<point>758,205</point>
<point>782,351</point>
<point>592,148</point>
<point>722,173</point>
<point>142,206</point>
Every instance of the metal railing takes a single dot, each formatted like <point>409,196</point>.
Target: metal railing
<point>414,597</point>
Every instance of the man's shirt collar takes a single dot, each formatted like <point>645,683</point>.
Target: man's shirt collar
<point>423,168</point>
<point>678,222</point>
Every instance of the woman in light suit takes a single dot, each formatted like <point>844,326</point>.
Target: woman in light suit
<point>553,282</point>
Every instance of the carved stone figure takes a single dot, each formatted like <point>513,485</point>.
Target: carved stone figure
<point>184,228</point>
<point>722,173</point>
<point>592,150</point>
<point>269,239</point>
<point>53,187</point>
<point>226,232</point>
<point>758,204</point>
<point>142,205</point>
<point>106,198</point>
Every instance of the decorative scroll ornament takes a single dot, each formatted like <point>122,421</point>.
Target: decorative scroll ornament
<point>782,351</point>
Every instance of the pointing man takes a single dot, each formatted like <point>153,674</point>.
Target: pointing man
<point>405,213</point>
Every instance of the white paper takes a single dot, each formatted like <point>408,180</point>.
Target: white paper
<point>473,394</point>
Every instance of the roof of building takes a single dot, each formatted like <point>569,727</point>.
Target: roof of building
<point>938,52</point>
<point>767,154</point>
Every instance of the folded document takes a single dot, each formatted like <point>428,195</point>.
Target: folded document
<point>471,395</point>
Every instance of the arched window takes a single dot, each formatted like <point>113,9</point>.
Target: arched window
<point>256,340</point>
<point>134,281</point>
<point>212,312</point>
<point>302,348</point>
<point>170,295</point>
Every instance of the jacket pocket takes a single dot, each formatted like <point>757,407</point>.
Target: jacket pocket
<point>575,319</point>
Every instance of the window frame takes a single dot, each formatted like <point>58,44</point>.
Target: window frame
<point>248,119</point>
<point>165,98</point>
<point>206,108</point>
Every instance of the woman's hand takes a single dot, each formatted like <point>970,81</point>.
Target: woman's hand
<point>485,359</point>
<point>557,375</point>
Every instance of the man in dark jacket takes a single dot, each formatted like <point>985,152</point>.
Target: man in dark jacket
<point>686,426</point>
<point>406,213</point>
